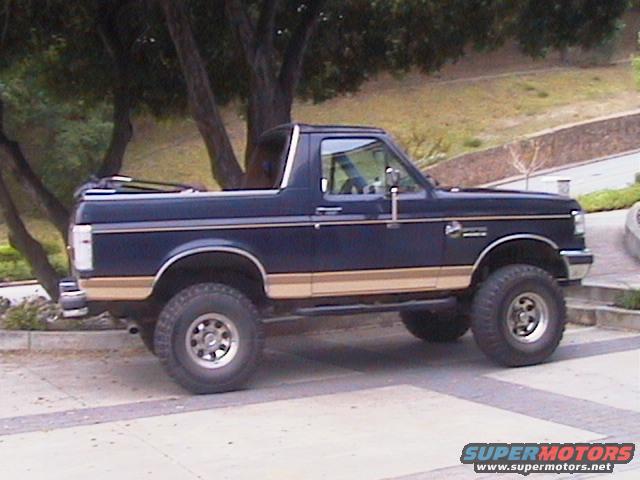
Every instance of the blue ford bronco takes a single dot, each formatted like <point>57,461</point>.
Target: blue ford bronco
<point>347,225</point>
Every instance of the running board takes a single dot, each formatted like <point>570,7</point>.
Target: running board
<point>435,305</point>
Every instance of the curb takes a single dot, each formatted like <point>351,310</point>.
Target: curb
<point>577,313</point>
<point>13,340</point>
<point>632,231</point>
<point>604,316</point>
<point>67,341</point>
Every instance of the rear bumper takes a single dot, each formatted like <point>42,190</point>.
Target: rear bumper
<point>578,263</point>
<point>72,300</point>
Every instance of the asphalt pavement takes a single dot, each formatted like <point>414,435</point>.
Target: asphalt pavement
<point>609,173</point>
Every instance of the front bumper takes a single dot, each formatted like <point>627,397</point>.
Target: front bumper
<point>72,300</point>
<point>578,263</point>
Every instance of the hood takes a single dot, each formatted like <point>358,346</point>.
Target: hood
<point>489,200</point>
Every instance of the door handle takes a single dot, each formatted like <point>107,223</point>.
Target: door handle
<point>328,210</point>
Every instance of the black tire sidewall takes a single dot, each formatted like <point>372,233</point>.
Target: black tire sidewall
<point>175,321</point>
<point>489,315</point>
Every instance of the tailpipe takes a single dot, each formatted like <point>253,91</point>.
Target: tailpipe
<point>132,327</point>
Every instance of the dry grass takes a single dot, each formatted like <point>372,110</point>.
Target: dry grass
<point>465,115</point>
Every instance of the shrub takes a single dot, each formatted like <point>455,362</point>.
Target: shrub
<point>605,200</point>
<point>423,151</point>
<point>9,254</point>
<point>472,142</point>
<point>629,300</point>
<point>25,316</point>
<point>14,271</point>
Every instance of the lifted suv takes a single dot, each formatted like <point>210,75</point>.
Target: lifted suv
<point>347,225</point>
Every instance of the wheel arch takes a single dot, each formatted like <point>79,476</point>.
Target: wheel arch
<point>529,249</point>
<point>224,263</point>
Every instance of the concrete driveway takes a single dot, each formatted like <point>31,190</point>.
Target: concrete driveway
<point>366,404</point>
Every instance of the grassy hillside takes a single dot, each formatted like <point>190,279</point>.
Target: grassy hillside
<point>462,115</point>
<point>465,114</point>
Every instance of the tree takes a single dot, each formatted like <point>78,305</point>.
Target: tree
<point>162,56</point>
<point>356,39</point>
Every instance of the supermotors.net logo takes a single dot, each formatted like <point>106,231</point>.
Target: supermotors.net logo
<point>526,458</point>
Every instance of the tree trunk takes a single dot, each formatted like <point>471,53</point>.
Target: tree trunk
<point>121,134</point>
<point>28,246</point>
<point>224,165</point>
<point>268,107</point>
<point>123,100</point>
<point>272,84</point>
<point>43,197</point>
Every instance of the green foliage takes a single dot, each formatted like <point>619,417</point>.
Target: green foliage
<point>13,266</point>
<point>421,150</point>
<point>66,138</point>
<point>605,200</point>
<point>629,300</point>
<point>472,142</point>
<point>25,316</point>
<point>15,271</point>
<point>9,254</point>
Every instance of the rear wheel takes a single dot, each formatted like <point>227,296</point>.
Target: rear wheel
<point>432,327</point>
<point>518,315</point>
<point>209,338</point>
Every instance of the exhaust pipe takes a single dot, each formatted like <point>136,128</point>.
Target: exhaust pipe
<point>132,327</point>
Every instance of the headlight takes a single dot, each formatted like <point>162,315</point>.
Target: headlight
<point>82,245</point>
<point>579,226</point>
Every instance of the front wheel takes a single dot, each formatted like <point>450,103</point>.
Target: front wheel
<point>518,315</point>
<point>209,338</point>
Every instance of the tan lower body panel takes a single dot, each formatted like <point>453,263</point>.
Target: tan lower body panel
<point>368,282</point>
<point>117,288</point>
<point>307,285</point>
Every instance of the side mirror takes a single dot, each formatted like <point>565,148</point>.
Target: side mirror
<point>392,177</point>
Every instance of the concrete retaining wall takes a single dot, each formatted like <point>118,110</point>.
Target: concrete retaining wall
<point>632,231</point>
<point>564,145</point>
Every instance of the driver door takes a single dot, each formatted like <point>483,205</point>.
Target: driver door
<point>358,248</point>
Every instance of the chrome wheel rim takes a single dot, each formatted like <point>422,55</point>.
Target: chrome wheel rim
<point>212,340</point>
<point>527,317</point>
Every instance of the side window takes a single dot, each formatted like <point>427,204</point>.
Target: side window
<point>356,166</point>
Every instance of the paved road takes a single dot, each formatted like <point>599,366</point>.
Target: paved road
<point>369,404</point>
<point>615,172</point>
<point>613,265</point>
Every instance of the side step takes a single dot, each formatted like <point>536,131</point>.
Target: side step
<point>435,305</point>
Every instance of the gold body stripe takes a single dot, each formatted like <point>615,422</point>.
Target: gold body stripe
<point>283,286</point>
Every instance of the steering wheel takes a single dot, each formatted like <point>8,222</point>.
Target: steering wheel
<point>348,187</point>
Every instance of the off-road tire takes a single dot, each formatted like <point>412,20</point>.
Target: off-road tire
<point>146,330</point>
<point>436,327</point>
<point>490,312</point>
<point>171,336</point>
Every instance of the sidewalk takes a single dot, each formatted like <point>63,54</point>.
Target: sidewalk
<point>370,404</point>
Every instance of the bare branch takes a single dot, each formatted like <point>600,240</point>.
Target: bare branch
<point>294,54</point>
